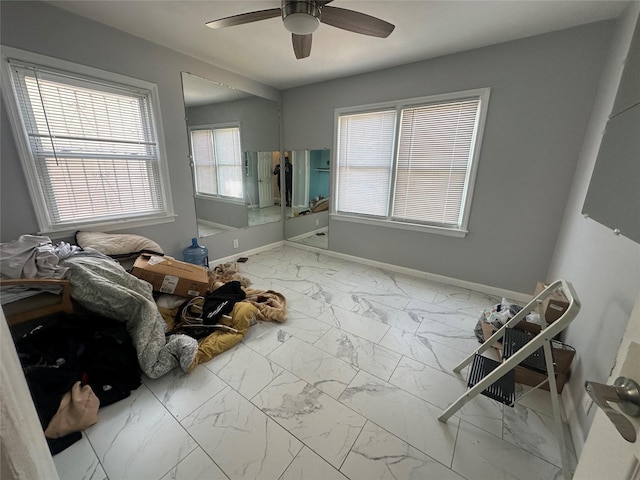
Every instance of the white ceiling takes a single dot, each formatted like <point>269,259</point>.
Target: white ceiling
<point>200,91</point>
<point>263,51</point>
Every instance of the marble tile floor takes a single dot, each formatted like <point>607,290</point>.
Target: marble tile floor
<point>260,216</point>
<point>349,387</point>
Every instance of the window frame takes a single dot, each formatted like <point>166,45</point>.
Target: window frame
<point>28,162</point>
<point>218,196</point>
<point>389,221</point>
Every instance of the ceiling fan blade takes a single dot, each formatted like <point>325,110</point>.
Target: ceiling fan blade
<point>356,22</point>
<point>244,18</point>
<point>301,45</point>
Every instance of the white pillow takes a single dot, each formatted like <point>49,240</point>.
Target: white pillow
<point>116,245</point>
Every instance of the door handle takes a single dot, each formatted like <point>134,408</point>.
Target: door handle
<point>625,393</point>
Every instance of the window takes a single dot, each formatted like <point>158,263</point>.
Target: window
<point>412,162</point>
<point>92,155</point>
<point>217,161</point>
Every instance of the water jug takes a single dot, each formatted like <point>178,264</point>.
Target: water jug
<point>196,254</point>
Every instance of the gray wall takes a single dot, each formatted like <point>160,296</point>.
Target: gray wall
<point>604,268</point>
<point>306,223</point>
<point>234,215</point>
<point>259,120</point>
<point>541,98</point>
<point>44,29</point>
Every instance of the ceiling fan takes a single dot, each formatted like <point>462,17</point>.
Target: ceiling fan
<point>302,18</point>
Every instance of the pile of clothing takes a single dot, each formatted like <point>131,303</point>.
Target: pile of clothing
<point>75,364</point>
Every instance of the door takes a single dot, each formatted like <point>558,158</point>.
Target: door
<point>265,184</point>
<point>606,455</point>
<point>300,193</point>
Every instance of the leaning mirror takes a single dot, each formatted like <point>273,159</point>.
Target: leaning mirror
<point>306,186</point>
<point>234,141</point>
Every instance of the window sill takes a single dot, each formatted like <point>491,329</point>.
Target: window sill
<point>70,231</point>
<point>449,232</point>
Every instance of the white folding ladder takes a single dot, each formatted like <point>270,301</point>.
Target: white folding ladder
<point>497,380</point>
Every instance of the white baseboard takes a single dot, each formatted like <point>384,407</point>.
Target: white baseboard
<point>246,253</point>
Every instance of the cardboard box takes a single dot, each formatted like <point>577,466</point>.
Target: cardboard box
<point>553,306</point>
<point>526,376</point>
<point>168,275</point>
<point>562,357</point>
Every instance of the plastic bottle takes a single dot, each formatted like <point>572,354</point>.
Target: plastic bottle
<point>196,254</point>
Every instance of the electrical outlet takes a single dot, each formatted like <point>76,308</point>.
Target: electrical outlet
<point>235,243</point>
<point>317,222</point>
<point>587,401</point>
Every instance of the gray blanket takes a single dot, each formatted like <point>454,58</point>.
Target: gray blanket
<point>102,286</point>
<point>32,256</point>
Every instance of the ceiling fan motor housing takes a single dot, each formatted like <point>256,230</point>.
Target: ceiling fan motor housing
<point>300,17</point>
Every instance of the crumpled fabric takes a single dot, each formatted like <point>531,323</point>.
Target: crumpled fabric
<point>30,256</point>
<point>13,293</point>
<point>271,305</point>
<point>65,250</point>
<point>241,318</point>
<point>102,286</point>
<point>221,301</point>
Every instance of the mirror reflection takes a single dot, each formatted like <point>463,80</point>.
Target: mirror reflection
<point>261,187</point>
<point>234,139</point>
<point>308,211</point>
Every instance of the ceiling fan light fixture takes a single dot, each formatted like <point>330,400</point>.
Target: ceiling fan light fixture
<point>300,17</point>
<point>301,23</point>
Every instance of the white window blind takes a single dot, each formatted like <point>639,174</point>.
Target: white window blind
<point>411,162</point>
<point>365,160</point>
<point>206,179</point>
<point>434,157</point>
<point>217,157</point>
<point>93,145</point>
